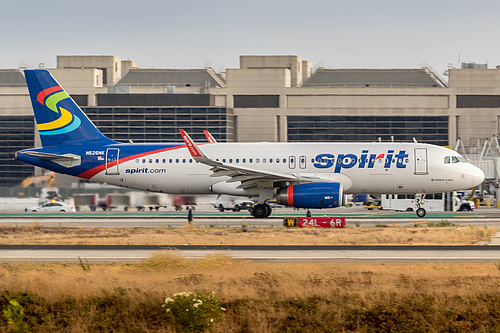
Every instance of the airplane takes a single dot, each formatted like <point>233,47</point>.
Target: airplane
<point>302,175</point>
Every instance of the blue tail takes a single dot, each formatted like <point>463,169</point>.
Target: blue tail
<point>59,119</point>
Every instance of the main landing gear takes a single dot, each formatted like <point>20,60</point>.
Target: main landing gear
<point>261,211</point>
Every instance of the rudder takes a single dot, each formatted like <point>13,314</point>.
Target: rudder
<point>59,119</point>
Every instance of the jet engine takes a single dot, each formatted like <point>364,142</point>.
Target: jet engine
<point>311,195</point>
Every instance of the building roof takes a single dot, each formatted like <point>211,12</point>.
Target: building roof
<point>205,77</point>
<point>419,77</point>
<point>11,78</point>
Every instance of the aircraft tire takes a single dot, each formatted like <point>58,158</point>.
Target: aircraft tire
<point>260,211</point>
<point>269,210</point>
<point>421,212</point>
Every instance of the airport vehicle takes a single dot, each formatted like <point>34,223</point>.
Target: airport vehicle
<point>47,180</point>
<point>232,203</point>
<point>52,206</point>
<point>302,175</point>
<point>373,205</point>
<point>439,202</point>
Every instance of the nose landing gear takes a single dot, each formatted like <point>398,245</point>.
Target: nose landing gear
<point>420,210</point>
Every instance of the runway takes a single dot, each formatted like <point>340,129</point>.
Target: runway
<point>276,254</point>
<point>162,220</point>
<point>319,254</point>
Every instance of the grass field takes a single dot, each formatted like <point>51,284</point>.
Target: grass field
<point>419,235</point>
<point>256,297</point>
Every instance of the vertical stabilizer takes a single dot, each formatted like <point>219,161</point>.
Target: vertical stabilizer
<point>59,119</point>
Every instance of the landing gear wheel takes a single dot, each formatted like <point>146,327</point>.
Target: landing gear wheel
<point>261,211</point>
<point>421,212</point>
<point>269,210</point>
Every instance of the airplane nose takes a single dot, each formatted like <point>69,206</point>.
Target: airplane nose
<point>477,176</point>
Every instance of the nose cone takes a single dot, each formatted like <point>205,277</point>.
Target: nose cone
<point>477,176</point>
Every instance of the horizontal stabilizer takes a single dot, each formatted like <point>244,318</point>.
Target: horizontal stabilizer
<point>66,160</point>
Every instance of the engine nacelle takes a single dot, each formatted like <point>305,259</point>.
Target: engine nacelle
<point>311,195</point>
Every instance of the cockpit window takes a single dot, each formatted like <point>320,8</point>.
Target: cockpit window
<point>454,159</point>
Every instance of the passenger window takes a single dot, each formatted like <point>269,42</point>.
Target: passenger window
<point>163,161</point>
<point>190,160</point>
<point>302,162</point>
<point>250,160</point>
<point>183,160</point>
<point>244,160</point>
<point>263,160</point>
<point>223,160</point>
<point>256,160</point>
<point>157,161</point>
<point>237,160</point>
<point>143,160</point>
<point>176,160</point>
<point>136,160</point>
<point>150,160</point>
<point>270,160</point>
<point>170,161</point>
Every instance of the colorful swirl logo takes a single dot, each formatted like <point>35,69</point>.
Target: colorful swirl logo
<point>66,122</point>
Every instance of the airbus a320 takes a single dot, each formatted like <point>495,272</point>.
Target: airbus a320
<point>302,175</point>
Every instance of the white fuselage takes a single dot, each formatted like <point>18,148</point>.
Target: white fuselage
<point>360,167</point>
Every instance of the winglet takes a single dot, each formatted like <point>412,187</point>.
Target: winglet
<point>193,148</point>
<point>209,137</point>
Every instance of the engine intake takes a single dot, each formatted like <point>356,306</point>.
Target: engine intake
<point>311,195</point>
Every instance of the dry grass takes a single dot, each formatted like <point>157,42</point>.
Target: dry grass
<point>259,297</point>
<point>263,297</point>
<point>422,235</point>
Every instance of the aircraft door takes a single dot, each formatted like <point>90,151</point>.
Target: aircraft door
<point>112,157</point>
<point>421,164</point>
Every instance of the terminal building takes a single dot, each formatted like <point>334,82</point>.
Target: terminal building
<point>268,98</point>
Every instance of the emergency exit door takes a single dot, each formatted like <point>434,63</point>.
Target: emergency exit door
<point>421,163</point>
<point>112,156</point>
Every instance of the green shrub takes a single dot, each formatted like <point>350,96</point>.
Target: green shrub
<point>15,316</point>
<point>194,312</point>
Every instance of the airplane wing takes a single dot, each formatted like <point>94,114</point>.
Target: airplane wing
<point>209,137</point>
<point>249,177</point>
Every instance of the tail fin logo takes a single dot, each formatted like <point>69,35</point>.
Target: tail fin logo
<point>66,122</point>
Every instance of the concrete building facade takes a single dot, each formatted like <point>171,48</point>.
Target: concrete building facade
<point>269,98</point>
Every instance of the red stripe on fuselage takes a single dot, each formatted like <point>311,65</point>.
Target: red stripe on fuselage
<point>94,171</point>
<point>44,93</point>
